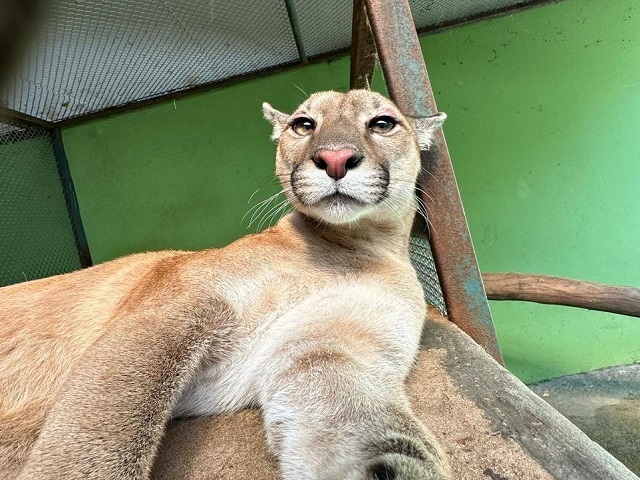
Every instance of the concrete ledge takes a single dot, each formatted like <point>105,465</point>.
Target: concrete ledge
<point>517,413</point>
<point>604,404</point>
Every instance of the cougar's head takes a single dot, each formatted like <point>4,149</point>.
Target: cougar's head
<point>345,156</point>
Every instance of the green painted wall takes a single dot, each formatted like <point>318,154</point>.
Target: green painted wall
<point>544,132</point>
<point>180,174</point>
<point>544,110</point>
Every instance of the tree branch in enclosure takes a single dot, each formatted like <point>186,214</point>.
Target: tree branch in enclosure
<point>563,291</point>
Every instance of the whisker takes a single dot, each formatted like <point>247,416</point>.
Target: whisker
<point>284,210</point>
<point>396,214</point>
<point>254,207</point>
<point>424,212</point>
<point>258,205</point>
<point>428,172</point>
<point>418,187</point>
<point>305,93</point>
<point>263,206</point>
<point>266,215</point>
<point>279,213</point>
<point>253,194</point>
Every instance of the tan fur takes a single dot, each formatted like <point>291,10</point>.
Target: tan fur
<point>316,320</point>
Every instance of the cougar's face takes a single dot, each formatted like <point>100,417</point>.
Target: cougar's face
<point>344,156</point>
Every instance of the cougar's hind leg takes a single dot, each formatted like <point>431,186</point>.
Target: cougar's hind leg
<point>111,416</point>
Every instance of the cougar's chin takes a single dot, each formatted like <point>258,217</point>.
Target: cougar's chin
<point>340,208</point>
<point>336,208</point>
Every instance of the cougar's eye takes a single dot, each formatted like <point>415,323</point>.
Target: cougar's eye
<point>303,126</point>
<point>382,124</point>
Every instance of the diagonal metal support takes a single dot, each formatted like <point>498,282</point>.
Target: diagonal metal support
<point>409,86</point>
<point>363,48</point>
<point>70,198</point>
<point>295,29</point>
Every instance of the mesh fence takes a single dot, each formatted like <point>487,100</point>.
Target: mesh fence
<point>36,235</point>
<point>432,13</point>
<point>325,26</point>
<point>96,54</point>
<point>422,261</point>
<point>93,55</point>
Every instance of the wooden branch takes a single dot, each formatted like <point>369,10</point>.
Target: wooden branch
<point>563,291</point>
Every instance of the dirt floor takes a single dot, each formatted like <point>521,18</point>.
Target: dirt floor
<point>605,404</point>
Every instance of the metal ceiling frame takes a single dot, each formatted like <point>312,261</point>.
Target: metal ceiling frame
<point>23,117</point>
<point>388,28</point>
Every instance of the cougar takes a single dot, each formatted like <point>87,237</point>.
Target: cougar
<point>316,321</point>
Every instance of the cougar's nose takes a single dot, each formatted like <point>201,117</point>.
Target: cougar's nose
<point>337,162</point>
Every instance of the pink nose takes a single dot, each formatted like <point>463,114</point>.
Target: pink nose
<point>337,162</point>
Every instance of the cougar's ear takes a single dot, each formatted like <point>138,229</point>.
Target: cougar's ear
<point>277,119</point>
<point>426,127</point>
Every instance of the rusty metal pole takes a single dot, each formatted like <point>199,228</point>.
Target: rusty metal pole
<point>408,83</point>
<point>363,48</point>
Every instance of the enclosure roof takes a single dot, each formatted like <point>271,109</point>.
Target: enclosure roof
<point>94,55</point>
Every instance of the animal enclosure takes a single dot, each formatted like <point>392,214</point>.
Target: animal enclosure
<point>93,60</point>
<point>106,62</point>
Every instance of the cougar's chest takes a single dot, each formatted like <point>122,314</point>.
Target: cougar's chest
<point>274,302</point>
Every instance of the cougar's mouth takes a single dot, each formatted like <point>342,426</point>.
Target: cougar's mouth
<point>370,190</point>
<point>341,198</point>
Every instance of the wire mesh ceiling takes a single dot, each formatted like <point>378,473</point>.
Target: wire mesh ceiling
<point>93,55</point>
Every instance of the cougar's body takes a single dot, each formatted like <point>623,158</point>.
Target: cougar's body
<point>316,320</point>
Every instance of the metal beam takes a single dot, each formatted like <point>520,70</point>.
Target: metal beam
<point>409,86</point>
<point>70,197</point>
<point>363,48</point>
<point>295,28</point>
<point>24,118</point>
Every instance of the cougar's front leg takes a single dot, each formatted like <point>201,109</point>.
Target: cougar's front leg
<point>109,419</point>
<point>335,407</point>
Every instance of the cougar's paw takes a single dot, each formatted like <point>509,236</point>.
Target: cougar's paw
<point>401,457</point>
<point>394,466</point>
